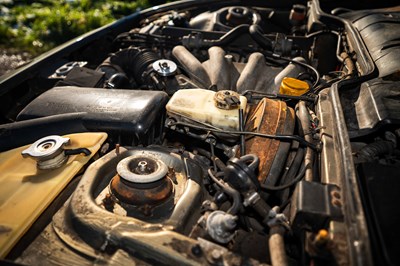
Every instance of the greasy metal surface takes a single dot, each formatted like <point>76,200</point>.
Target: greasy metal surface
<point>269,117</point>
<point>26,191</point>
<point>358,235</point>
<point>134,195</point>
<point>220,70</point>
<point>100,228</point>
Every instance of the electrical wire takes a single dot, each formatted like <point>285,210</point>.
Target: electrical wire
<point>317,76</point>
<point>299,139</point>
<point>236,204</point>
<point>278,96</point>
<point>299,176</point>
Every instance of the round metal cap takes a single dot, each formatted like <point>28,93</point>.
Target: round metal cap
<point>46,148</point>
<point>164,67</point>
<point>142,169</point>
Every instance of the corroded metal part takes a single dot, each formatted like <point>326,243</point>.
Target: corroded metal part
<point>269,117</point>
<point>141,180</point>
<point>139,194</point>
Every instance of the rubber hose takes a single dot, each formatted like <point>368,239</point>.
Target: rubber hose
<point>233,193</point>
<point>258,36</point>
<point>374,150</point>
<point>277,246</point>
<point>231,35</point>
<point>132,61</point>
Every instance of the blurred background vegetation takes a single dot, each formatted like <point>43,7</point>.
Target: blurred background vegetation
<point>37,26</point>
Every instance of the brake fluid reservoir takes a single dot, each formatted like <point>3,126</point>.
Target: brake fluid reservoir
<point>220,109</point>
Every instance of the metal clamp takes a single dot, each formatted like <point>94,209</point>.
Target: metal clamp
<point>275,218</point>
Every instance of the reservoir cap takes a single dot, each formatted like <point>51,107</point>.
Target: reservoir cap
<point>293,86</point>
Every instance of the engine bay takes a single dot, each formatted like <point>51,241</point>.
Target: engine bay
<point>231,135</point>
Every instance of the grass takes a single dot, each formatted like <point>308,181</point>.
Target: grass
<point>39,26</point>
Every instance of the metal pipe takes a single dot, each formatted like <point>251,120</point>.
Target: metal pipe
<point>338,48</point>
<point>242,137</point>
<point>305,122</point>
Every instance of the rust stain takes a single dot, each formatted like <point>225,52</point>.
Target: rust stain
<point>268,117</point>
<point>131,194</point>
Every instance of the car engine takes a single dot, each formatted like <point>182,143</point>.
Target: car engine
<point>209,133</point>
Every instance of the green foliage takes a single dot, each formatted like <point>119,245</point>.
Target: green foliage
<point>39,26</point>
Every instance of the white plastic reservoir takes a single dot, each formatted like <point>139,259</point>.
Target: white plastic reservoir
<point>199,105</point>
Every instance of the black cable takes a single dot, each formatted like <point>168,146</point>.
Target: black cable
<point>281,96</point>
<point>299,176</point>
<point>85,151</point>
<point>276,56</point>
<point>236,204</point>
<point>220,164</point>
<point>299,139</point>
<point>231,35</point>
<point>327,84</point>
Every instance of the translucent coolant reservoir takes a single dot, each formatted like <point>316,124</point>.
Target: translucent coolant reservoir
<point>26,191</point>
<point>201,105</point>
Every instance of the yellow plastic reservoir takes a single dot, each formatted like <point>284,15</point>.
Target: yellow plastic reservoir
<point>25,191</point>
<point>200,105</point>
<point>292,86</point>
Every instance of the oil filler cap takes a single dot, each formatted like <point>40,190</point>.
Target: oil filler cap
<point>48,152</point>
<point>294,87</point>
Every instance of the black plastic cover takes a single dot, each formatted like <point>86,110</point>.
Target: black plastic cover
<point>105,110</point>
<point>312,206</point>
<point>83,77</point>
<point>375,104</point>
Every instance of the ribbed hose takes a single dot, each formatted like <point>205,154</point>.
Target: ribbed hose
<point>132,61</point>
<point>374,150</point>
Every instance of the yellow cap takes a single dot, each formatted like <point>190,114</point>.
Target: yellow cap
<point>323,233</point>
<point>292,86</point>
<point>322,236</point>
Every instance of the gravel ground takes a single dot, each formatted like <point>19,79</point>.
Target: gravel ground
<point>11,60</point>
